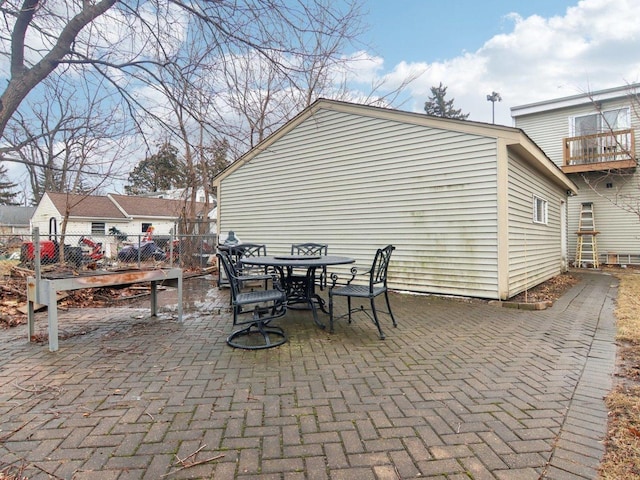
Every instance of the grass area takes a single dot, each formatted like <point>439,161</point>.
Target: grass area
<point>628,308</point>
<point>621,458</point>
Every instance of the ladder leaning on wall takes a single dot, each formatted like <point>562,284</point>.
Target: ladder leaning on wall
<point>587,249</point>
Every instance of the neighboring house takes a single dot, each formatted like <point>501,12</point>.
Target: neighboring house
<point>95,216</point>
<point>473,209</point>
<point>591,137</point>
<point>15,220</point>
<point>87,214</point>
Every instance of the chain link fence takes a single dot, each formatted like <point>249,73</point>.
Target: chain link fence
<point>82,252</point>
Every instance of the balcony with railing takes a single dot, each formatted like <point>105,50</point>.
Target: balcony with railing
<point>600,151</point>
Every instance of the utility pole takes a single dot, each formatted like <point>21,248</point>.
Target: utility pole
<point>493,98</point>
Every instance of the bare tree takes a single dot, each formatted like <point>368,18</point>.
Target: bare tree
<point>31,15</point>
<point>75,140</point>
<point>260,96</point>
<point>612,137</point>
<point>130,42</point>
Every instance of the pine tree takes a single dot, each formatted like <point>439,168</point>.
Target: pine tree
<point>158,172</point>
<point>7,195</point>
<point>437,105</point>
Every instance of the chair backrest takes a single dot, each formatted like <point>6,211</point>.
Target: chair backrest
<point>225,262</point>
<point>309,249</point>
<point>380,265</point>
<point>247,250</point>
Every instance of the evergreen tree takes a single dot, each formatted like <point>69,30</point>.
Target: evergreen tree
<point>7,193</point>
<point>437,105</point>
<point>158,172</point>
<point>217,160</point>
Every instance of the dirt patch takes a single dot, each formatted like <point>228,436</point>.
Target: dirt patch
<point>548,291</point>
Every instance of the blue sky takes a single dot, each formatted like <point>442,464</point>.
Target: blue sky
<point>427,30</point>
<point>527,51</point>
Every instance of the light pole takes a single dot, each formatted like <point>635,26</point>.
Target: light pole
<point>493,98</point>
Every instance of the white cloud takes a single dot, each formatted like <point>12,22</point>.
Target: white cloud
<point>362,67</point>
<point>595,45</point>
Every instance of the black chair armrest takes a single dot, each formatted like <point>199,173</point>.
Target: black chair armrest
<point>335,277</point>
<point>266,276</point>
<point>243,278</point>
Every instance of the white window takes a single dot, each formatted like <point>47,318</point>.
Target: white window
<point>539,210</point>
<point>604,134</point>
<point>601,122</point>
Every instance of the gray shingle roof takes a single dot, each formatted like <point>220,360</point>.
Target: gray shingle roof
<point>15,216</point>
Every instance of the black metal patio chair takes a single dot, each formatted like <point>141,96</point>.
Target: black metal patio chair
<point>254,310</point>
<point>313,249</point>
<point>376,285</point>
<point>250,250</point>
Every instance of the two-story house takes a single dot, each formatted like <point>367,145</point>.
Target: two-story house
<point>591,137</point>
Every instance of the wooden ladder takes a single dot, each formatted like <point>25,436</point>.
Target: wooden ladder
<point>587,249</point>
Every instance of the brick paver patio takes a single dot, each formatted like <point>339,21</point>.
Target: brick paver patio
<point>460,390</point>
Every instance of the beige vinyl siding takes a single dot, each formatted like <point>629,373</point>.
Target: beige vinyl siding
<point>547,129</point>
<point>547,134</point>
<point>619,229</point>
<point>534,249</point>
<point>358,183</point>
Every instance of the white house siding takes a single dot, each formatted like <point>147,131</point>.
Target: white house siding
<point>619,230</point>
<point>534,249</point>
<point>358,183</point>
<point>44,211</point>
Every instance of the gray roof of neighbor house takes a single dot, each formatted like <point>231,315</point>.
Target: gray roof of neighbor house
<point>15,216</point>
<point>89,206</point>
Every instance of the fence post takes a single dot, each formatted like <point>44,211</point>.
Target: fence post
<point>171,237</point>
<point>35,239</point>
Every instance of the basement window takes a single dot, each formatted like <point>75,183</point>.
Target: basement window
<point>539,210</point>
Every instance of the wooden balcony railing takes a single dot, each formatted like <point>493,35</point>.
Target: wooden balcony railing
<point>600,151</point>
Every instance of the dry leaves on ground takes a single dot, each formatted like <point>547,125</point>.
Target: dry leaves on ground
<point>622,445</point>
<point>13,294</point>
<point>549,290</point>
<point>13,298</point>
